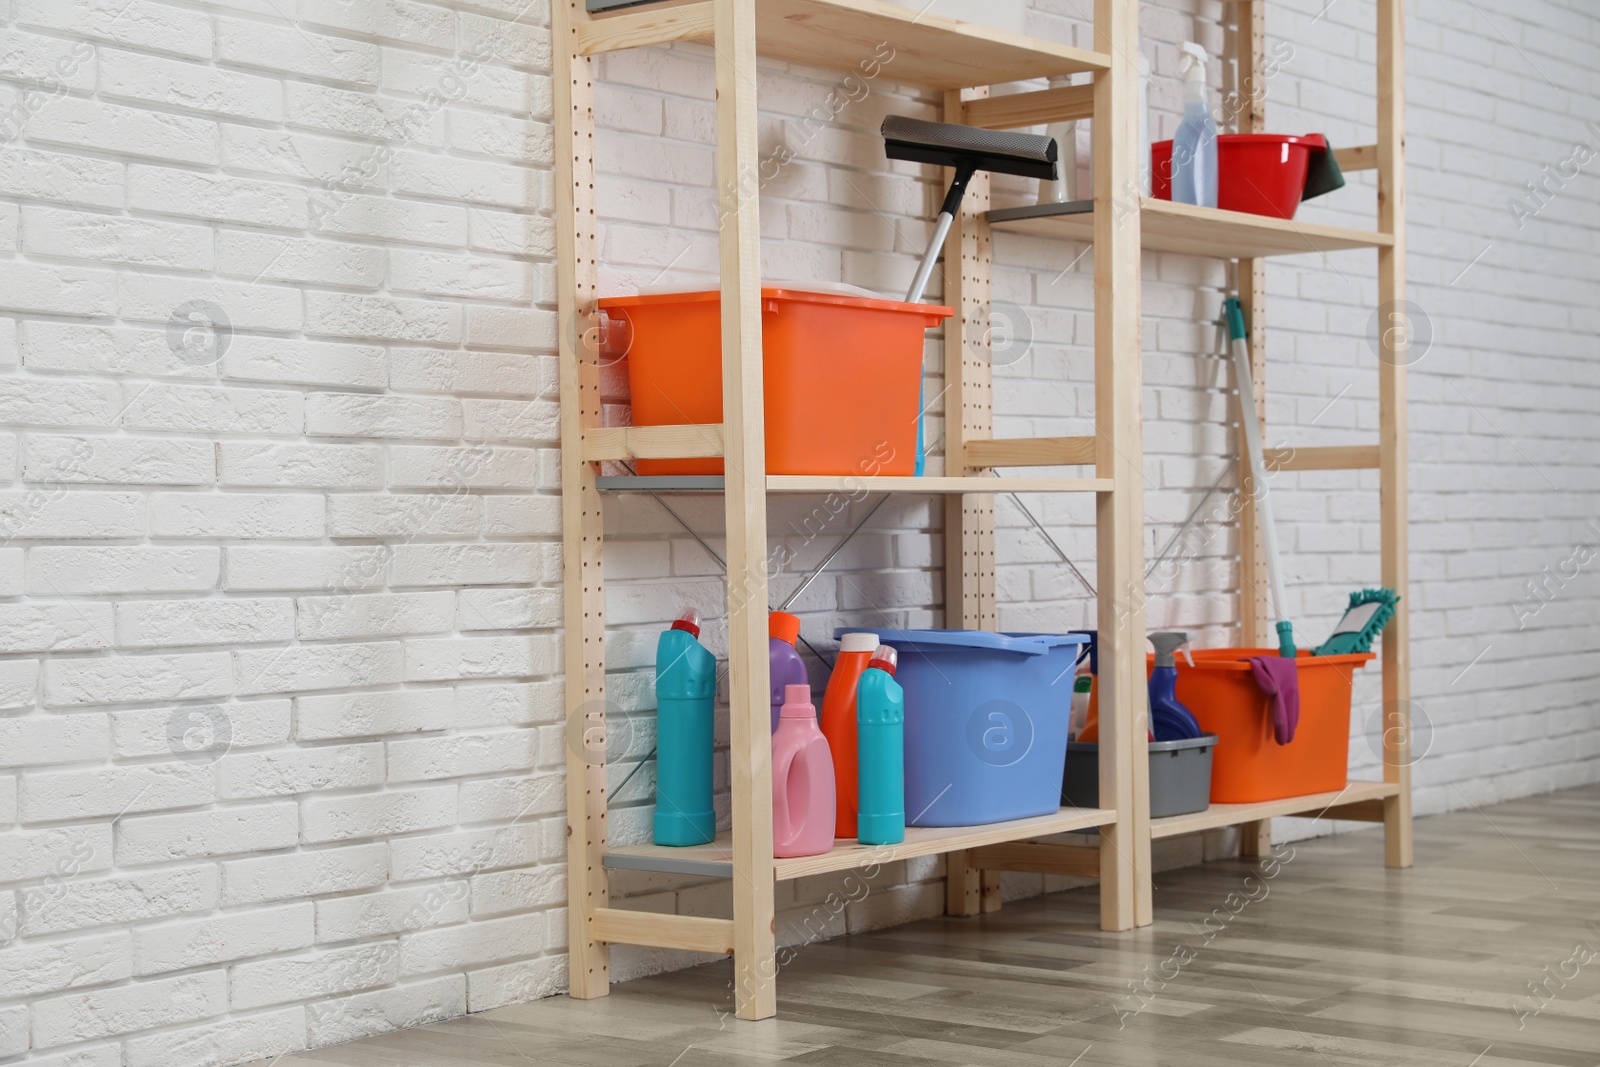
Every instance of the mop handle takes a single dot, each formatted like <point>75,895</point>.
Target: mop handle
<point>1258,467</point>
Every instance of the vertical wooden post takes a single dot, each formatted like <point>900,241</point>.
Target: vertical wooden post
<point>1393,338</point>
<point>582,528</point>
<point>1254,626</point>
<point>745,459</point>
<point>1119,455</point>
<point>969,415</point>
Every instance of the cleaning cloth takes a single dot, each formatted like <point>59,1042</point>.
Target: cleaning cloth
<point>1280,680</point>
<point>1322,174</point>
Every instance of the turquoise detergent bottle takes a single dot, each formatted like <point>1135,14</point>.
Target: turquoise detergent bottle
<point>686,690</point>
<point>881,752</point>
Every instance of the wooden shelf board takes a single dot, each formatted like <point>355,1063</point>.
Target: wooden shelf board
<point>715,859</point>
<point>871,38</point>
<point>1233,814</point>
<point>788,483</point>
<point>805,483</point>
<point>1168,227</point>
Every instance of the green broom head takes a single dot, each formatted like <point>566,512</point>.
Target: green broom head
<point>1369,611</point>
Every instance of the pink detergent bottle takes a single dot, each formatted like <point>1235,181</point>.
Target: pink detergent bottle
<point>802,780</point>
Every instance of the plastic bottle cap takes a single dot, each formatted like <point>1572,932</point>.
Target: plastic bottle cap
<point>885,659</point>
<point>1166,643</point>
<point>797,703</point>
<point>858,642</point>
<point>1192,61</point>
<point>783,626</point>
<point>689,621</point>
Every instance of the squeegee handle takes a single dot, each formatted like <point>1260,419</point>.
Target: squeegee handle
<point>941,229</point>
<point>919,284</point>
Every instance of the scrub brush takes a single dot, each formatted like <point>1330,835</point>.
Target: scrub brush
<point>1363,620</point>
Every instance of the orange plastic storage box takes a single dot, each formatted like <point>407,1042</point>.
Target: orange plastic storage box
<point>1248,764</point>
<point>842,376</point>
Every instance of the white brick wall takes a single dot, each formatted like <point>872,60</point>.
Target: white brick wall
<point>280,723</point>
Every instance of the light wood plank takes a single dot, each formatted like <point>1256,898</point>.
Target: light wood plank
<point>823,483</point>
<point>582,523</point>
<point>850,855</point>
<point>969,406</point>
<point>933,840</point>
<point>864,36</point>
<point>1360,810</point>
<point>1332,458</point>
<point>1394,510</point>
<point>1064,104</point>
<point>962,895</point>
<point>1234,814</point>
<point>664,931</point>
<point>1361,157</point>
<point>923,47</point>
<point>1119,436</point>
<point>1030,452</point>
<point>745,508</point>
<point>1203,231</point>
<point>989,898</point>
<point>1040,857</point>
<point>651,442</point>
<point>1255,838</point>
<point>970,597</point>
<point>655,25</point>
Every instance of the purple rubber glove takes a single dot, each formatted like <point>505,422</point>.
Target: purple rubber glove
<point>1280,680</point>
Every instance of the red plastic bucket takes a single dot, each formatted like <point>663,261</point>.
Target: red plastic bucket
<point>842,376</point>
<point>1259,173</point>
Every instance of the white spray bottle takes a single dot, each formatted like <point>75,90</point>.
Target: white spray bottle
<point>1194,146</point>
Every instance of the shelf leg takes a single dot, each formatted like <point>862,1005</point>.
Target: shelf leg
<point>970,600</point>
<point>1393,356</point>
<point>962,893</point>
<point>989,891</point>
<point>744,437</point>
<point>582,526</point>
<point>1119,450</point>
<point>1255,838</point>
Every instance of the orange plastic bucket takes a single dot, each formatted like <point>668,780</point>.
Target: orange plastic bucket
<point>842,376</point>
<point>1248,764</point>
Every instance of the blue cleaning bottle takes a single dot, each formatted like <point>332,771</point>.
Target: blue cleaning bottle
<point>1194,145</point>
<point>686,691</point>
<point>881,752</point>
<point>1169,720</point>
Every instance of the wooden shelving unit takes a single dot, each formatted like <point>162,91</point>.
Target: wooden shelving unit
<point>962,62</point>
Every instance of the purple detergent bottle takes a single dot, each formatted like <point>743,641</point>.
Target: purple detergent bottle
<point>783,632</point>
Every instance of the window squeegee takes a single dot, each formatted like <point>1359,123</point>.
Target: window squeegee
<point>966,150</point>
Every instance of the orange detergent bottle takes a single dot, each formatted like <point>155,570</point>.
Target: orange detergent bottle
<point>839,724</point>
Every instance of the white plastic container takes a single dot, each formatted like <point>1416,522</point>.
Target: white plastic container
<point>1065,188</point>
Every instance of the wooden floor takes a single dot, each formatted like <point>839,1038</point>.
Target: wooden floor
<point>1323,958</point>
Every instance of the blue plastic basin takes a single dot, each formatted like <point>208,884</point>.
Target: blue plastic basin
<point>986,722</point>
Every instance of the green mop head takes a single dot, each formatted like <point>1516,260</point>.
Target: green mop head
<point>1368,613</point>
